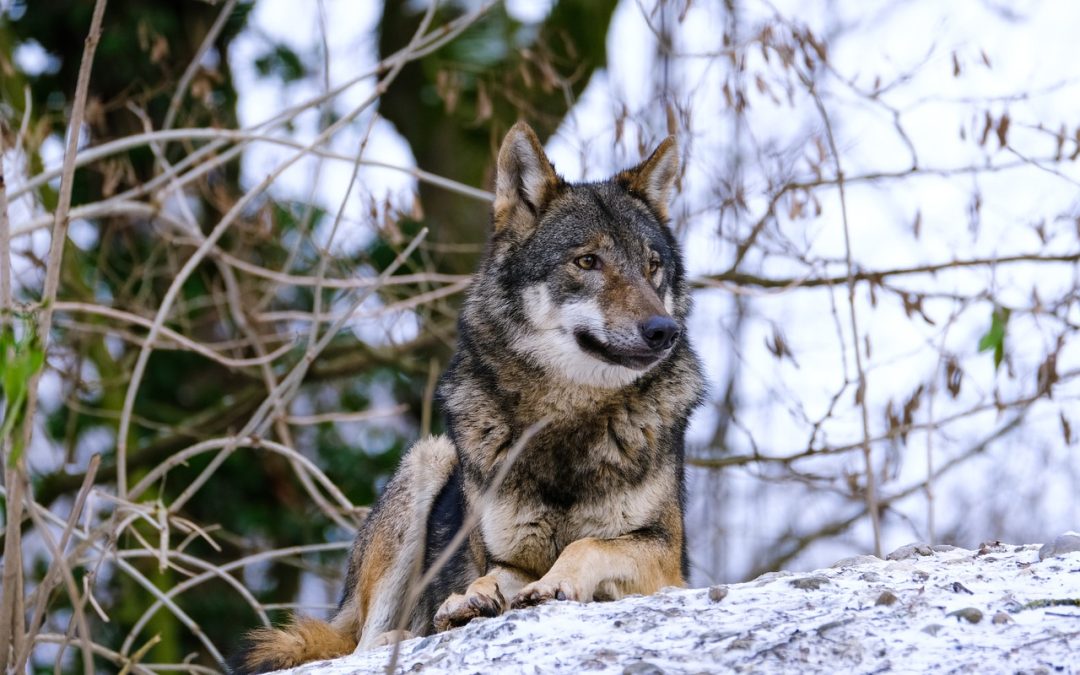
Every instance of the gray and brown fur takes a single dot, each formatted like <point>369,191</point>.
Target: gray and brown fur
<point>575,318</point>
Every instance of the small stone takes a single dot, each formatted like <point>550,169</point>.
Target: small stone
<point>833,624</point>
<point>872,577</point>
<point>1066,543</point>
<point>1001,617</point>
<point>643,668</point>
<point>932,629</point>
<point>887,598</point>
<point>717,593</point>
<point>855,561</point>
<point>742,643</point>
<point>810,583</point>
<point>969,614</point>
<point>920,575</point>
<point>910,551</point>
<point>957,587</point>
<point>770,577</point>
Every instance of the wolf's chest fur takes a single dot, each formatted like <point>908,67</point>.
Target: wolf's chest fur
<point>600,467</point>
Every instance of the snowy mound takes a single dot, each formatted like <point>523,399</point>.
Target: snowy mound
<point>941,609</point>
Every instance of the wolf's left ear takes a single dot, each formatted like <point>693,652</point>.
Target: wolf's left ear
<point>524,175</point>
<point>653,179</point>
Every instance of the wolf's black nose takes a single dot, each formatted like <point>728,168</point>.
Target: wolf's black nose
<point>659,332</point>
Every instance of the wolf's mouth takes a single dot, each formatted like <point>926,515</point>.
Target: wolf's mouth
<point>637,360</point>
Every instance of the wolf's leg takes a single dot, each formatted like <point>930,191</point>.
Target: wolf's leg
<point>608,569</point>
<point>487,596</point>
<point>390,552</point>
<point>390,637</point>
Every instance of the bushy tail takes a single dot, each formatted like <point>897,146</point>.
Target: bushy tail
<point>303,639</point>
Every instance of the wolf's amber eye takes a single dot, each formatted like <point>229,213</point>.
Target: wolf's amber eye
<point>588,262</point>
<point>654,267</point>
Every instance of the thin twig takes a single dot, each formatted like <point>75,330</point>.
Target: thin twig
<point>196,62</point>
<point>5,238</point>
<point>179,458</point>
<point>187,343</point>
<point>50,579</point>
<point>220,137</point>
<point>876,276</point>
<point>219,230</point>
<point>77,602</point>
<point>347,417</point>
<point>115,657</point>
<point>860,395</point>
<point>288,385</point>
<point>11,612</point>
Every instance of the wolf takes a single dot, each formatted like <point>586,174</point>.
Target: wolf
<point>575,324</point>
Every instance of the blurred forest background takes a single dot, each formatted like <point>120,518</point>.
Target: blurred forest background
<point>233,240</point>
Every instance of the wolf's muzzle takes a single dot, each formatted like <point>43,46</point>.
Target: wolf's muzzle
<point>659,332</point>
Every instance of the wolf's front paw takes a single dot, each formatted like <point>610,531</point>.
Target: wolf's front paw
<point>544,590</point>
<point>458,609</point>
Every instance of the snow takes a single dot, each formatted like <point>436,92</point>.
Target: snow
<point>923,610</point>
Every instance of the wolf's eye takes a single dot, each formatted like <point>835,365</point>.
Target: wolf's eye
<point>588,262</point>
<point>654,267</point>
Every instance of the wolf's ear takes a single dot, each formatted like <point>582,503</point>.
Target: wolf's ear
<point>653,179</point>
<point>524,175</point>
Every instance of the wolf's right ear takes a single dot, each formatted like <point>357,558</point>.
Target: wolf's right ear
<point>524,175</point>
<point>654,179</point>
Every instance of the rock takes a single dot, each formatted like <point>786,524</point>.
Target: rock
<point>957,587</point>
<point>830,625</point>
<point>1066,543</point>
<point>717,593</point>
<point>969,614</point>
<point>742,643</point>
<point>770,577</point>
<point>855,561</point>
<point>887,598</point>
<point>910,551</point>
<point>813,583</point>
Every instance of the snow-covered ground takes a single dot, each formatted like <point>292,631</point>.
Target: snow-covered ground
<point>942,610</point>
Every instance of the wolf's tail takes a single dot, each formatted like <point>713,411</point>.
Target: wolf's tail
<point>302,640</point>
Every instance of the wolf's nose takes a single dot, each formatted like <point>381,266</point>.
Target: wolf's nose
<point>659,332</point>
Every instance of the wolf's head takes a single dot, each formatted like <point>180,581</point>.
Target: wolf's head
<point>583,280</point>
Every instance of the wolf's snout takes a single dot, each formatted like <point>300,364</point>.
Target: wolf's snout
<point>659,332</point>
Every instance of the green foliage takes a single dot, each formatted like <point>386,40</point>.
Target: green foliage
<point>995,336</point>
<point>20,360</point>
<point>281,62</point>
